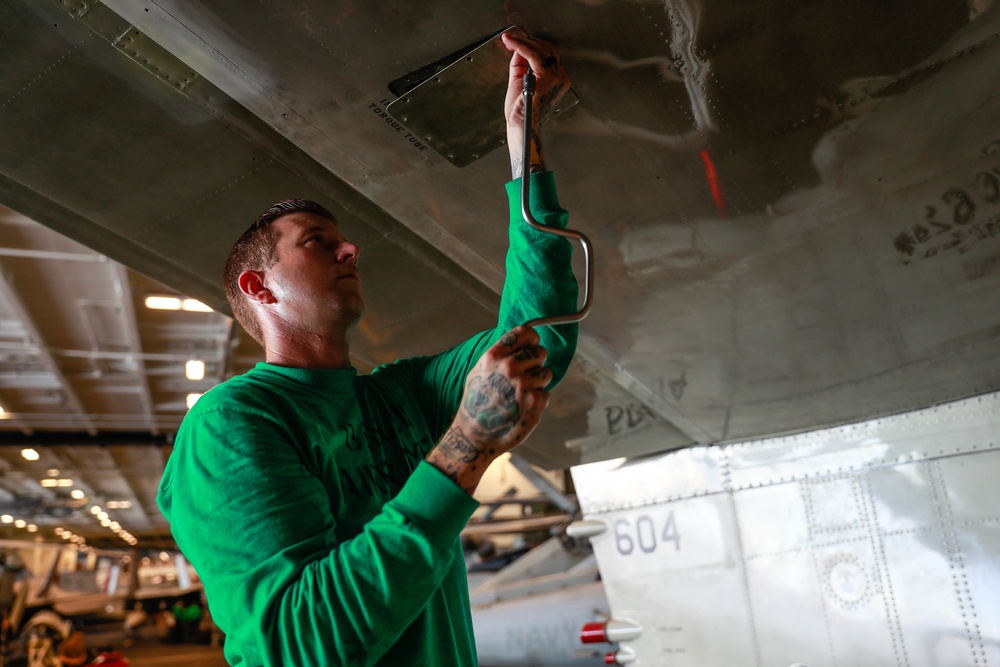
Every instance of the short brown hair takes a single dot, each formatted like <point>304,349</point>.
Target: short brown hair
<point>256,250</point>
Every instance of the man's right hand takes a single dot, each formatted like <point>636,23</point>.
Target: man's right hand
<point>551,83</point>
<point>503,402</point>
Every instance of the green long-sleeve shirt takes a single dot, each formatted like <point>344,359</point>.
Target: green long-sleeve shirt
<point>302,498</point>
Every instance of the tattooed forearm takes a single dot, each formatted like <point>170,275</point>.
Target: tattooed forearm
<point>491,403</point>
<point>537,164</point>
<point>457,446</point>
<point>516,167</point>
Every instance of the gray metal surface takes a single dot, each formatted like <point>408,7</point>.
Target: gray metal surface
<point>457,111</point>
<point>530,612</point>
<point>795,207</point>
<point>870,544</point>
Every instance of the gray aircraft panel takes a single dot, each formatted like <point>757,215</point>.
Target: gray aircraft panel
<point>746,233</point>
<point>869,544</point>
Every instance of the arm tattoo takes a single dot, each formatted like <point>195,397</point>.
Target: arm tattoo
<point>491,404</point>
<point>455,445</point>
<point>516,167</point>
<point>536,138</point>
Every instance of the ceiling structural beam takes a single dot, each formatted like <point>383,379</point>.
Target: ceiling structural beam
<point>52,255</point>
<point>58,421</point>
<point>28,380</point>
<point>131,438</point>
<point>96,354</point>
<point>9,418</point>
<point>123,292</point>
<point>14,302</point>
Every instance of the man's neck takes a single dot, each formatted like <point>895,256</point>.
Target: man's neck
<point>315,352</point>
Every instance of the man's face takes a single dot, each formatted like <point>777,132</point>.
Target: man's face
<point>315,278</point>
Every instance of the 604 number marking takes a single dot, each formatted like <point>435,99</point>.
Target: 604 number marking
<point>645,535</point>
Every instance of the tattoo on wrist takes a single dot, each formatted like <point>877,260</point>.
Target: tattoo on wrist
<point>457,446</point>
<point>516,166</point>
<point>491,404</point>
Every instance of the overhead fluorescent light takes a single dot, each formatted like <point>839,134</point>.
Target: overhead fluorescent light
<point>49,483</point>
<point>77,494</point>
<point>160,302</point>
<point>163,303</point>
<point>6,518</point>
<point>194,370</point>
<point>32,528</point>
<point>29,454</point>
<point>20,523</point>
<point>195,306</point>
<point>192,399</point>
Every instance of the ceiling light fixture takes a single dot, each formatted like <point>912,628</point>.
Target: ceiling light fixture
<point>192,399</point>
<point>6,518</point>
<point>95,510</point>
<point>195,306</point>
<point>48,483</point>
<point>29,454</point>
<point>20,523</point>
<point>163,303</point>
<point>195,370</point>
<point>158,302</point>
<point>77,494</point>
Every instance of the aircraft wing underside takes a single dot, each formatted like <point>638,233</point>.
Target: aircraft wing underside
<point>796,208</point>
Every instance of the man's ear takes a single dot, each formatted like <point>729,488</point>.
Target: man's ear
<point>252,284</point>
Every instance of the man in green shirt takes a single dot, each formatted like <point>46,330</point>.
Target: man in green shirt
<point>322,509</point>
